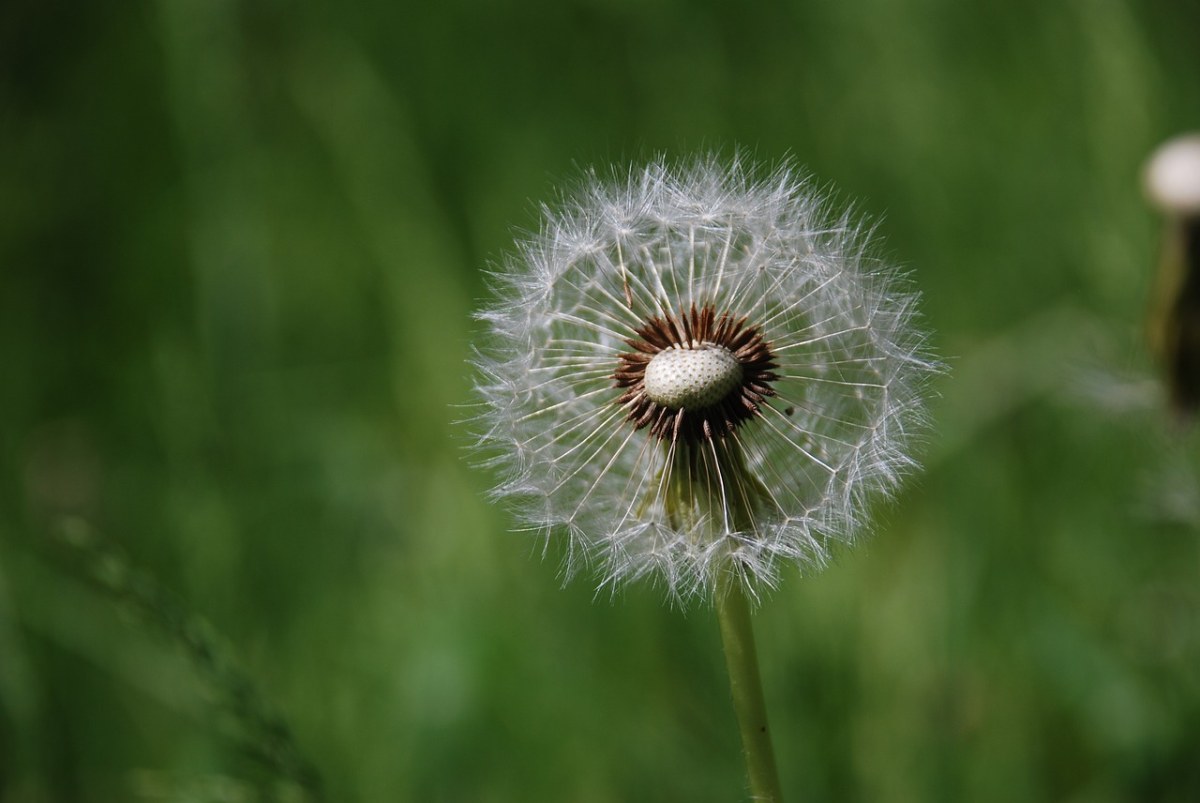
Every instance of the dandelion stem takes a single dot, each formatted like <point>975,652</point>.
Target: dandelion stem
<point>741,658</point>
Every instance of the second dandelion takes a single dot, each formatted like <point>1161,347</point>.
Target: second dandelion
<point>694,373</point>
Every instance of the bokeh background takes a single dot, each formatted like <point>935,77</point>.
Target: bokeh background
<point>243,558</point>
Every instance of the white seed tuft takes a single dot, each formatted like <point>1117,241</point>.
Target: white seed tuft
<point>844,393</point>
<point>692,378</point>
<point>1172,176</point>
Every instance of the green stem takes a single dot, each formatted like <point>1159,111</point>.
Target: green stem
<point>733,613</point>
<point>698,496</point>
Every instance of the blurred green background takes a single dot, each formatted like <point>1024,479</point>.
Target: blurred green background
<point>242,557</point>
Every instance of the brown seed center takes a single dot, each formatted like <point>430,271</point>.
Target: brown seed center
<point>695,376</point>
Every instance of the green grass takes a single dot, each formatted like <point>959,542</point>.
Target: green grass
<point>239,248</point>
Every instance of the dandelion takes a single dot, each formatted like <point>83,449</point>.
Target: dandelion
<point>700,377</point>
<point>692,373</point>
<point>1172,184</point>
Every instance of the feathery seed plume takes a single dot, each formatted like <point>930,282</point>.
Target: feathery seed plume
<point>692,371</point>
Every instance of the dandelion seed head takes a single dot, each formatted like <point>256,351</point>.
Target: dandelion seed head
<point>1172,176</point>
<point>689,370</point>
